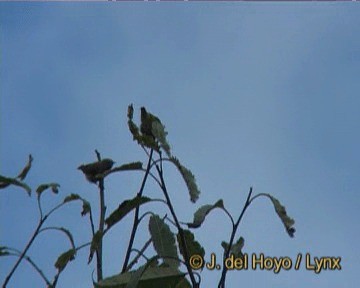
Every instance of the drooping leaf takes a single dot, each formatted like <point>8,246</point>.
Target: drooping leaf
<point>26,169</point>
<point>163,240</point>
<point>124,208</point>
<point>285,219</point>
<point>74,197</point>
<point>64,259</point>
<point>193,247</point>
<point>189,179</point>
<point>152,277</point>
<point>86,207</point>
<point>6,181</point>
<point>94,244</point>
<point>202,212</point>
<point>53,186</point>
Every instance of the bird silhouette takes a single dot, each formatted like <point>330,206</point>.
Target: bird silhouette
<point>91,170</point>
<point>147,119</point>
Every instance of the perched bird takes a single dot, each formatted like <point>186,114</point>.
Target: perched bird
<point>91,170</point>
<point>147,120</point>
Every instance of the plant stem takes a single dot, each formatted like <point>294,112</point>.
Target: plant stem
<point>140,253</point>
<point>232,237</point>
<point>32,263</point>
<point>136,217</point>
<point>177,223</point>
<point>36,232</point>
<point>101,224</point>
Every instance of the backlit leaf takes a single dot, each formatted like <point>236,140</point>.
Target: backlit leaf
<point>6,181</point>
<point>124,208</point>
<point>286,220</point>
<point>53,186</point>
<point>202,212</point>
<point>189,179</point>
<point>193,247</point>
<point>163,240</point>
<point>26,169</point>
<point>64,259</point>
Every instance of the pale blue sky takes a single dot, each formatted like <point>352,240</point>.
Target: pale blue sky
<point>252,94</point>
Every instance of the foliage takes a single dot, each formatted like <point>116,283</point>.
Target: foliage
<point>173,244</point>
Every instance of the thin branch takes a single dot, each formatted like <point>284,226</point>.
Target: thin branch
<point>21,257</point>
<point>101,223</point>
<point>31,262</point>
<point>230,217</point>
<point>232,237</point>
<point>92,223</point>
<point>180,230</point>
<point>140,253</point>
<point>39,206</point>
<point>54,209</point>
<point>63,230</point>
<point>144,215</point>
<point>136,216</point>
<point>259,195</point>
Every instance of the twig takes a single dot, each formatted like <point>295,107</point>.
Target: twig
<point>235,227</point>
<point>32,263</point>
<point>140,253</point>
<point>101,223</point>
<point>136,216</point>
<point>180,230</point>
<point>8,277</point>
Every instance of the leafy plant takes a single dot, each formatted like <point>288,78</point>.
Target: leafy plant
<point>173,240</point>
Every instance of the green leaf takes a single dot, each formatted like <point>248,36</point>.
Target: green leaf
<point>189,179</point>
<point>152,277</point>
<point>6,181</point>
<point>124,208</point>
<point>26,169</point>
<point>129,166</point>
<point>130,112</point>
<point>74,197</point>
<point>136,276</point>
<point>64,259</point>
<point>202,212</point>
<point>53,186</point>
<point>95,244</point>
<point>4,251</point>
<point>183,283</point>
<point>163,240</point>
<point>236,248</point>
<point>158,130</point>
<point>86,207</point>
<point>286,220</point>
<point>193,247</point>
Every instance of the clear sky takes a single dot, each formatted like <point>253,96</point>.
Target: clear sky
<point>252,94</point>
